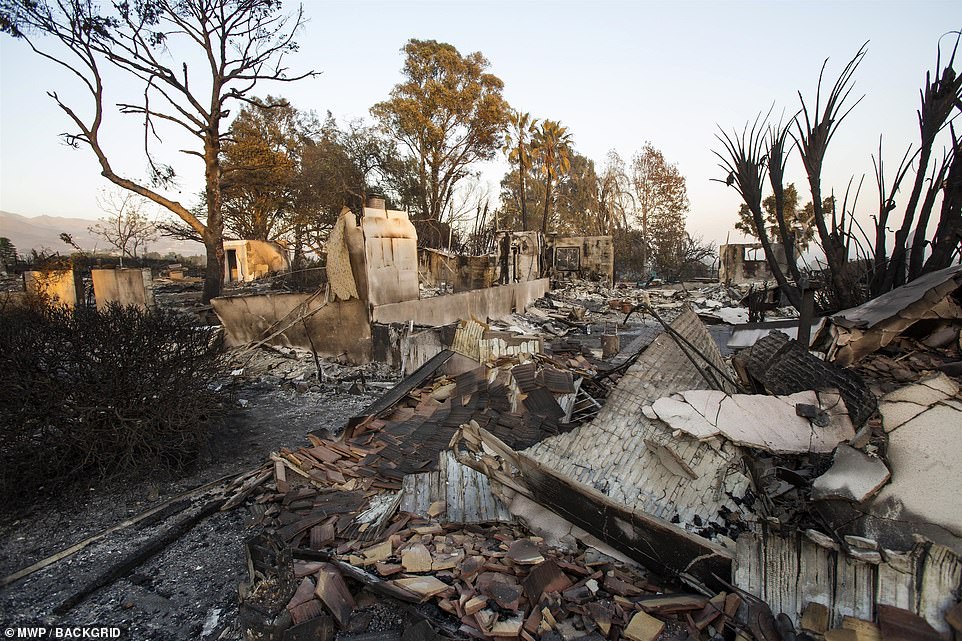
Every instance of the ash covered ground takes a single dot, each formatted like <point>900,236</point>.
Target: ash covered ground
<point>188,590</point>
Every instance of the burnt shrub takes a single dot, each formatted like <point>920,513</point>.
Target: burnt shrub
<point>87,395</point>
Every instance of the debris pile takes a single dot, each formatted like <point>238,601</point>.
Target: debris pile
<point>927,307</point>
<point>530,490</point>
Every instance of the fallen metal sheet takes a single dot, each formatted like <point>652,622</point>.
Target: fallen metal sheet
<point>762,422</point>
<point>748,334</point>
<point>862,330</point>
<point>790,572</point>
<point>402,389</point>
<point>466,494</point>
<point>612,453</point>
<point>780,366</point>
<point>924,291</point>
<point>655,543</point>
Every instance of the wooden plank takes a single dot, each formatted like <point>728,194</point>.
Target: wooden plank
<point>425,586</point>
<point>334,594</point>
<point>280,477</point>
<point>901,625</point>
<point>941,577</point>
<point>416,558</point>
<point>643,627</point>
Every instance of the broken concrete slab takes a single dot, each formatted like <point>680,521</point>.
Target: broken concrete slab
<point>769,423</point>
<point>904,404</point>
<point>854,476</point>
<point>924,454</point>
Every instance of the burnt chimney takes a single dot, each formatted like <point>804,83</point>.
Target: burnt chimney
<point>375,201</point>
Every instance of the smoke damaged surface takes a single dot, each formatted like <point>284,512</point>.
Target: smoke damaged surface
<point>188,589</point>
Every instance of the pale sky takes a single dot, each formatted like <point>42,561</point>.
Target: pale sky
<point>615,73</point>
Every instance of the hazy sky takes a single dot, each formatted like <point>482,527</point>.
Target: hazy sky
<point>616,73</point>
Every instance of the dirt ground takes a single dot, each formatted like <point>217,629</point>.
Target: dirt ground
<point>189,589</point>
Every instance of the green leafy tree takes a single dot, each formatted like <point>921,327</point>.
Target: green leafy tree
<point>517,146</point>
<point>552,154</point>
<point>448,114</point>
<point>330,177</point>
<point>260,159</point>
<point>661,198</point>
<point>799,220</point>
<point>224,49</point>
<point>584,202</point>
<point>576,197</point>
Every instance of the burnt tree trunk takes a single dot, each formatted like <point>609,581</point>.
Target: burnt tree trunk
<point>214,231</point>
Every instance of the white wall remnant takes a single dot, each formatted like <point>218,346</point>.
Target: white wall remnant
<point>60,286</point>
<point>125,287</point>
<point>390,256</point>
<point>745,263</point>
<point>245,260</point>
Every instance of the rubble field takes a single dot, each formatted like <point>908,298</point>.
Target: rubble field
<point>608,463</point>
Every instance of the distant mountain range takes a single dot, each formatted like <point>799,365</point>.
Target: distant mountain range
<point>43,232</point>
